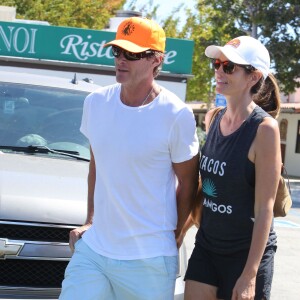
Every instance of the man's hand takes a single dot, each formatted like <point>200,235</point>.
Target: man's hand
<point>179,238</point>
<point>76,234</point>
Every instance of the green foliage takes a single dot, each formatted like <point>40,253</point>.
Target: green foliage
<point>147,9</point>
<point>274,22</point>
<point>205,27</point>
<point>92,14</point>
<point>201,136</point>
<point>281,30</point>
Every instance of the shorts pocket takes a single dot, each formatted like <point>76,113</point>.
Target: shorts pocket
<point>171,265</point>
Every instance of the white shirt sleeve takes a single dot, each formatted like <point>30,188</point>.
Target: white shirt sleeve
<point>183,141</point>
<point>85,115</point>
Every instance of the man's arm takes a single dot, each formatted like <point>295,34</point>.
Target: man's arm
<point>91,189</point>
<point>187,174</point>
<point>195,216</point>
<point>76,233</point>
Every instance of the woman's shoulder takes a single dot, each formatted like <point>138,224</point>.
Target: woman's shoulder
<point>267,125</point>
<point>211,114</point>
<point>267,139</point>
<point>268,136</point>
<point>267,122</point>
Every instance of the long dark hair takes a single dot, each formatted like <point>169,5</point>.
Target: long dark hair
<point>266,94</point>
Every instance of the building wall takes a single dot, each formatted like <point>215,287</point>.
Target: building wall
<point>291,98</point>
<point>291,158</point>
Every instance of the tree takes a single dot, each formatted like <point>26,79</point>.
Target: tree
<point>204,28</point>
<point>274,22</point>
<point>92,14</point>
<point>199,86</point>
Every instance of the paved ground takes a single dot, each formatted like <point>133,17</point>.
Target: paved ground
<point>286,282</point>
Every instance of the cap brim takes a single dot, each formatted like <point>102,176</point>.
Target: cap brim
<point>229,52</point>
<point>129,46</point>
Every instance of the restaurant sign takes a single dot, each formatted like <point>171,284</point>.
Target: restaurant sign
<point>80,45</point>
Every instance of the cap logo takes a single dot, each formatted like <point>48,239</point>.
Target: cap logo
<point>128,29</point>
<point>235,43</point>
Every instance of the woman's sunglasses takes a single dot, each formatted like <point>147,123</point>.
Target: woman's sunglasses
<point>116,52</point>
<point>229,66</point>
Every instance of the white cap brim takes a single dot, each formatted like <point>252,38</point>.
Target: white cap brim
<point>229,52</point>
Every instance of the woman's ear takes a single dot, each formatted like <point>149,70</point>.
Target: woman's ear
<point>255,76</point>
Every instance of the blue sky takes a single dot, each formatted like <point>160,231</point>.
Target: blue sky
<point>166,7</point>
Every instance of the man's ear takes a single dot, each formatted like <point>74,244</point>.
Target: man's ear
<point>156,61</point>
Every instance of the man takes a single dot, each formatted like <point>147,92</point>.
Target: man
<point>142,178</point>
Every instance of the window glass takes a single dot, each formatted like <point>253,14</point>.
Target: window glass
<point>44,116</point>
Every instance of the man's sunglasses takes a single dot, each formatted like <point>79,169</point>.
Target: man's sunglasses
<point>229,66</point>
<point>116,52</point>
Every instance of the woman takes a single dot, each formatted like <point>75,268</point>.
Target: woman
<point>240,168</point>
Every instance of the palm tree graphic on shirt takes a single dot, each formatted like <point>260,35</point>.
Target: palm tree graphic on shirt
<point>209,188</point>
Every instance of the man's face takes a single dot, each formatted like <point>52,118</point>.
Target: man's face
<point>134,70</point>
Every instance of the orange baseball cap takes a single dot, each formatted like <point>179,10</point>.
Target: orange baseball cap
<point>138,34</point>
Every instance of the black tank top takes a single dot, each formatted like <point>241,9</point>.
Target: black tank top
<point>228,179</point>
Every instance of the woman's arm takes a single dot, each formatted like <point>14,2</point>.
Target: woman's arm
<point>265,153</point>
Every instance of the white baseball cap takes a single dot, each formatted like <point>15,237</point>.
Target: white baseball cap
<point>244,50</point>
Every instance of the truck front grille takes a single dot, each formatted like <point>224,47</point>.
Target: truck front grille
<point>32,273</point>
<point>22,272</point>
<point>34,232</point>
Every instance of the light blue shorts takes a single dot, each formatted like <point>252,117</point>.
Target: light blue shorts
<point>90,276</point>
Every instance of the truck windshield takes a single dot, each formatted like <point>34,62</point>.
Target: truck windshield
<point>42,116</point>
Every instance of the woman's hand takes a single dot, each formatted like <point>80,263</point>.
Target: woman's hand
<point>244,289</point>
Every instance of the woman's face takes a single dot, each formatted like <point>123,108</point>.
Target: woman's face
<point>233,83</point>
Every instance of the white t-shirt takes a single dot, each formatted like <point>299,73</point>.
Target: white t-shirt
<point>135,211</point>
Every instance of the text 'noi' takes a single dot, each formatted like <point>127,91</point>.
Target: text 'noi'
<point>18,39</point>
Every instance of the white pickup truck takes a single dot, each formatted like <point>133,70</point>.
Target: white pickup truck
<point>43,182</point>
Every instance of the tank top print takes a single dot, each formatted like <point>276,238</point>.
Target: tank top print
<point>228,179</point>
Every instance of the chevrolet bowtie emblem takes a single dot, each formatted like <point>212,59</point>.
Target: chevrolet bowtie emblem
<point>9,248</point>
